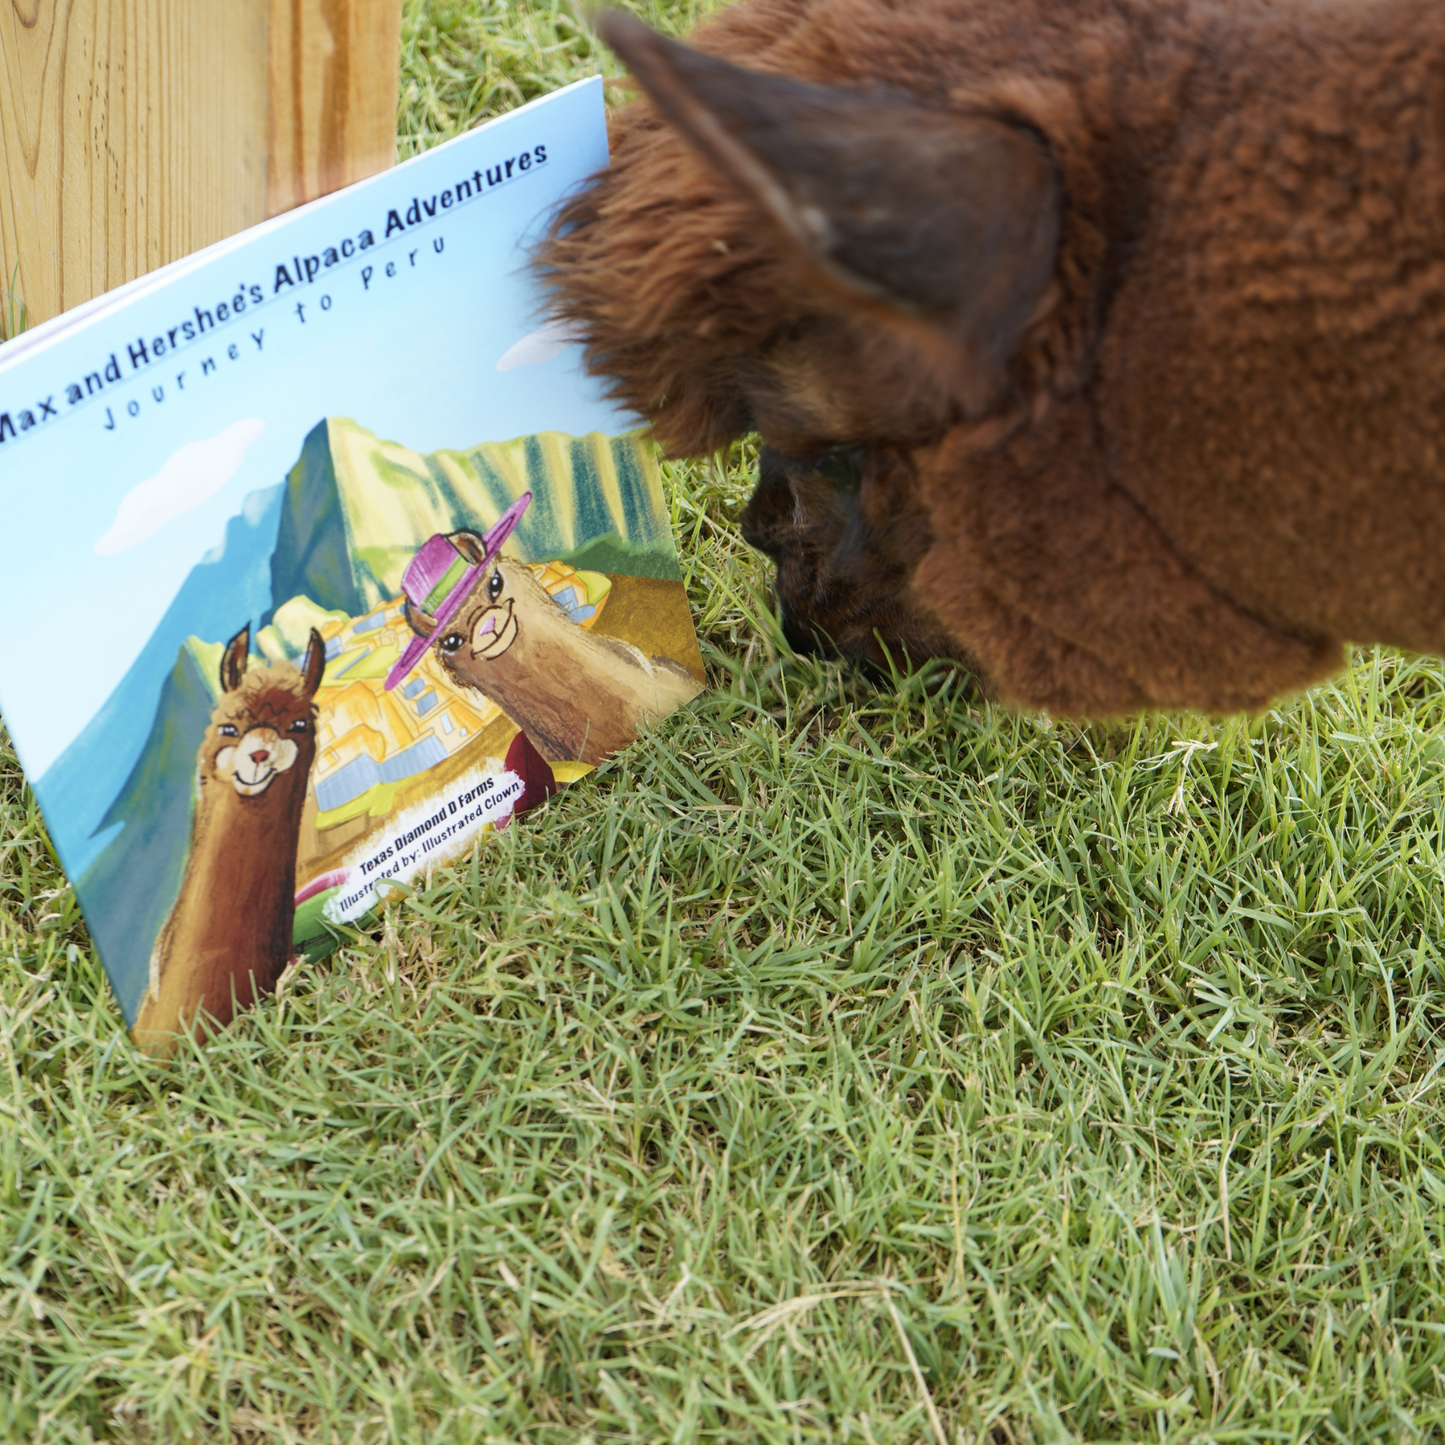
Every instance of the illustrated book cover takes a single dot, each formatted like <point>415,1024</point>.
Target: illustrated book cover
<point>322,557</point>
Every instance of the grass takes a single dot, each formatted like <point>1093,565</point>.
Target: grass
<point>463,61</point>
<point>839,1064</point>
<point>12,312</point>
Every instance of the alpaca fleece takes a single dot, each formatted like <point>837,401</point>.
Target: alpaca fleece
<point>1131,309</point>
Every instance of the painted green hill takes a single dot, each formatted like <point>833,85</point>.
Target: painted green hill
<point>357,508</point>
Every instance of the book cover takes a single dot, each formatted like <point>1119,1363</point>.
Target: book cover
<point>323,557</point>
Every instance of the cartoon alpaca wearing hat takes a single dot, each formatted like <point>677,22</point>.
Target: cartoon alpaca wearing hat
<point>229,935</point>
<point>578,696</point>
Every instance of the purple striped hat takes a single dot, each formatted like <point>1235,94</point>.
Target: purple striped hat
<point>440,578</point>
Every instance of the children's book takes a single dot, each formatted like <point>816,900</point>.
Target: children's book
<point>323,557</point>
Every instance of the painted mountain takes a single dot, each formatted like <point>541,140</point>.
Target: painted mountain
<point>357,509</point>
<point>336,536</point>
<point>131,885</point>
<point>228,587</point>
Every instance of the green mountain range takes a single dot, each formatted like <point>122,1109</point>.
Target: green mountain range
<point>357,508</point>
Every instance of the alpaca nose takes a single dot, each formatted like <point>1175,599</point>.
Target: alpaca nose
<point>261,756</point>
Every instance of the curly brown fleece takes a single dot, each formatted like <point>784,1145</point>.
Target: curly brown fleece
<point>1180,465</point>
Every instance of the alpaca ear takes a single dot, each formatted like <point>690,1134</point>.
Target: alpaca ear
<point>233,659</point>
<point>950,216</point>
<point>422,624</point>
<point>471,546</point>
<point>313,665</point>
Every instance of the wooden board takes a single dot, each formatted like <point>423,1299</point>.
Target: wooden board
<point>133,132</point>
<point>332,87</point>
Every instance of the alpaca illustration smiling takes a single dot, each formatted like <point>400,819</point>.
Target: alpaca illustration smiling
<point>259,757</point>
<point>494,629</point>
<point>228,937</point>
<point>579,697</point>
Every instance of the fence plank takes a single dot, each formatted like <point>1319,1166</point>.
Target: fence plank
<point>333,80</point>
<point>133,132</point>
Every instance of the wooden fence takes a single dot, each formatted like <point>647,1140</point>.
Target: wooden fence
<point>133,132</point>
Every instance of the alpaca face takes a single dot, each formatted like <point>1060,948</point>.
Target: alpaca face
<point>258,757</point>
<point>846,532</point>
<point>506,604</point>
<point>849,270</point>
<point>258,738</point>
<point>264,723</point>
<point>486,625</point>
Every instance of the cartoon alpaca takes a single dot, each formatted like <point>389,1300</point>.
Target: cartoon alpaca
<point>1107,337</point>
<point>577,696</point>
<point>228,937</point>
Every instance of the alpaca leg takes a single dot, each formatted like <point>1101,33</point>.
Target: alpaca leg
<point>1074,600</point>
<point>157,1018</point>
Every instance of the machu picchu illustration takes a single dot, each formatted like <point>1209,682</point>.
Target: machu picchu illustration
<point>326,549</point>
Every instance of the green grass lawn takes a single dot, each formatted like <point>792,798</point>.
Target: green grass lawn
<point>836,1065</point>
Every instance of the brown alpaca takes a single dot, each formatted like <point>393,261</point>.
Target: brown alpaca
<point>1127,318</point>
<point>577,696</point>
<point>229,935</point>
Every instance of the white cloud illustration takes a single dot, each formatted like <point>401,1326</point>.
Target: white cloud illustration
<point>191,474</point>
<point>539,346</point>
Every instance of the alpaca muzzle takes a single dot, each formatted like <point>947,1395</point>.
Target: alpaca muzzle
<point>802,517</point>
<point>494,632</point>
<point>846,533</point>
<point>256,760</point>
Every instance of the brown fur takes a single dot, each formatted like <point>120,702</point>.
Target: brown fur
<point>1208,455</point>
<point>578,697</point>
<point>846,534</point>
<point>228,937</point>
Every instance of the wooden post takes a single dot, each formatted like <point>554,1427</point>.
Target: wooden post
<point>133,132</point>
